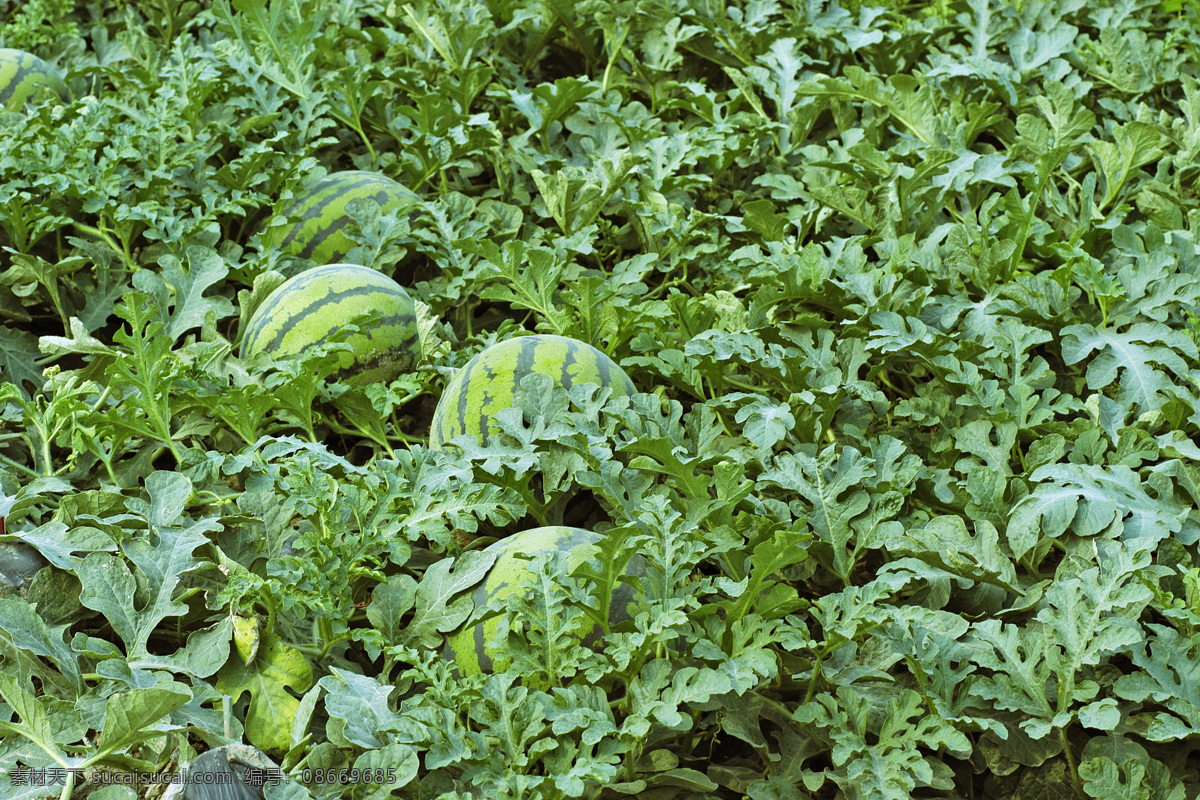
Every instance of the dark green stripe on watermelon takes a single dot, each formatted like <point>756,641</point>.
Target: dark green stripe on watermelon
<point>488,382</point>
<point>383,367</point>
<point>527,347</point>
<point>572,350</point>
<point>606,373</point>
<point>489,377</point>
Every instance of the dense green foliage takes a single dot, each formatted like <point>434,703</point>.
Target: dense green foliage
<point>909,294</point>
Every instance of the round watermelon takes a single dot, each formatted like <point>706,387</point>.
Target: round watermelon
<point>511,573</point>
<point>19,562</point>
<point>23,75</point>
<point>305,311</point>
<point>318,234</point>
<point>488,382</point>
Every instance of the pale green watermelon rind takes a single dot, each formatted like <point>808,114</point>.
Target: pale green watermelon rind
<point>318,234</point>
<point>20,75</point>
<point>487,383</point>
<point>511,572</point>
<point>307,309</point>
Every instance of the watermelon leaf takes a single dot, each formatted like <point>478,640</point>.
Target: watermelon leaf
<point>525,277</point>
<point>1133,353</point>
<point>161,560</point>
<point>18,359</point>
<point>396,764</point>
<point>540,629</point>
<point>29,632</point>
<point>277,39</point>
<point>35,724</point>
<point>607,570</point>
<point>128,716</point>
<point>272,708</point>
<point>436,612</point>
<point>360,706</point>
<point>182,290</point>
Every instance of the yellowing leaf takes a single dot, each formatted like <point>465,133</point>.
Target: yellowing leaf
<point>272,708</point>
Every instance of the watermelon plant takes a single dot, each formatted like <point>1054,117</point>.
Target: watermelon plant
<point>308,308</point>
<point>910,292</point>
<point>23,75</point>
<point>319,213</point>
<point>472,647</point>
<point>488,382</point>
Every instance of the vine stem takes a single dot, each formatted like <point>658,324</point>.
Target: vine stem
<point>104,236</point>
<point>1071,765</point>
<point>69,787</point>
<point>19,466</point>
<point>812,684</point>
<point>612,59</point>
<point>45,436</point>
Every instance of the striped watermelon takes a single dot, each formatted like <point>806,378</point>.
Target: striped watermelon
<point>306,309</point>
<point>317,235</point>
<point>487,383</point>
<point>23,76</point>
<point>510,573</point>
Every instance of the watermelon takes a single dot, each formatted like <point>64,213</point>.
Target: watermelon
<point>318,233</point>
<point>230,772</point>
<point>19,562</point>
<point>24,75</point>
<point>511,573</point>
<point>488,382</point>
<point>306,309</point>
